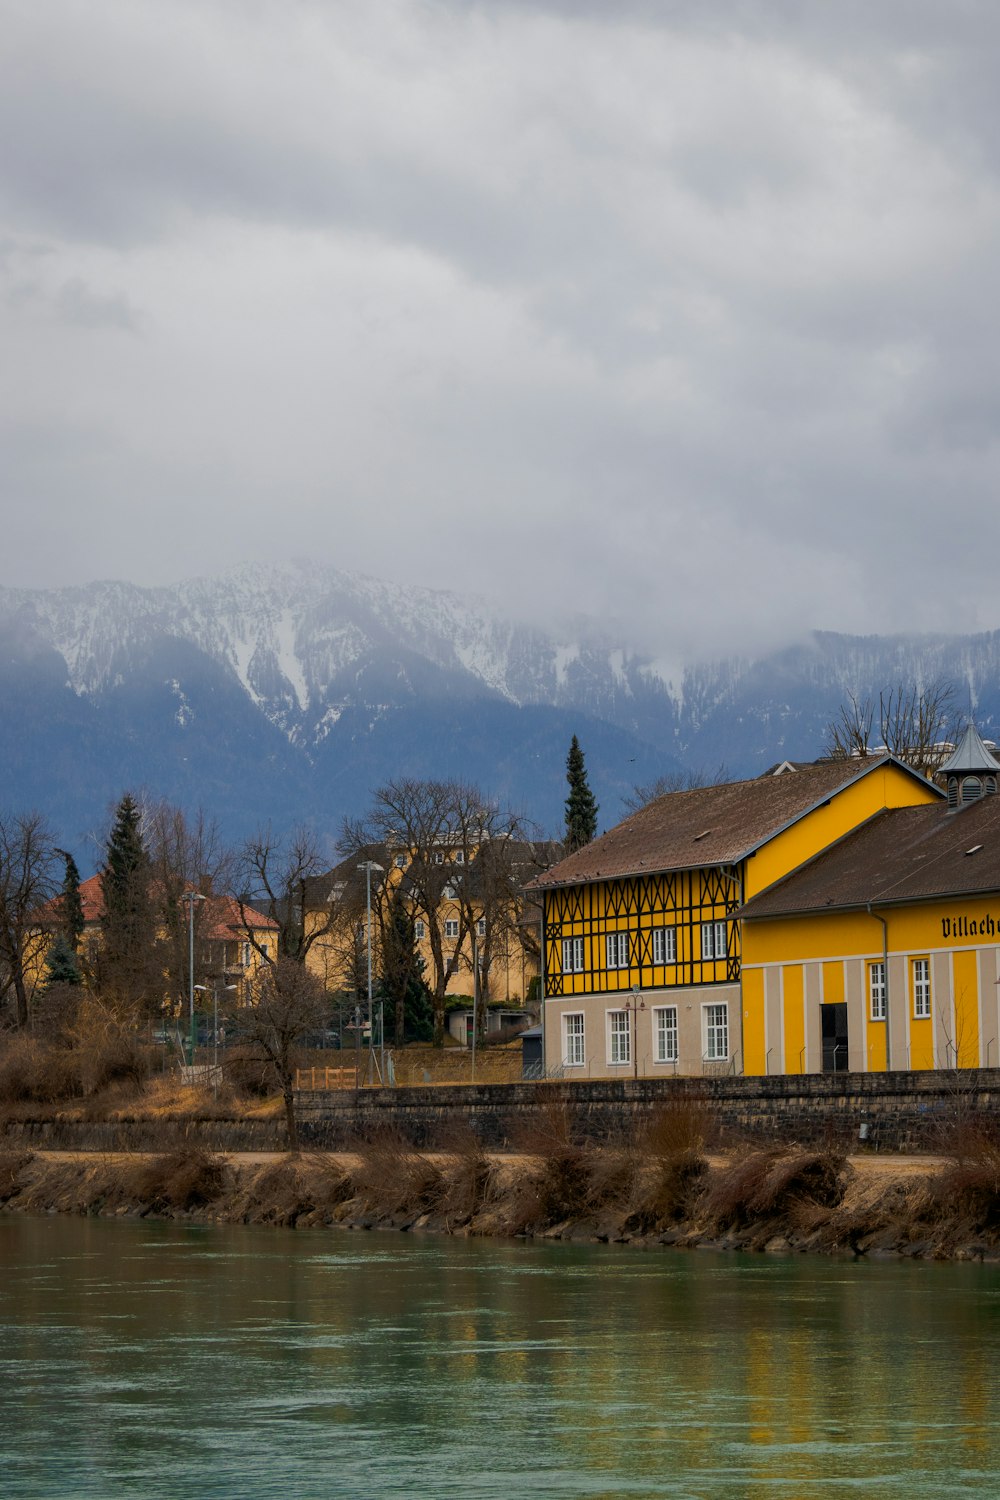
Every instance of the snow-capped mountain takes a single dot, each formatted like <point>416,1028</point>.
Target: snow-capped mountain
<point>290,692</point>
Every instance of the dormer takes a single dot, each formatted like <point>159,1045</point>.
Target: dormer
<point>971,771</point>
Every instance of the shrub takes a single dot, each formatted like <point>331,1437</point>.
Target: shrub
<point>247,1072</point>
<point>32,1072</point>
<point>394,1178</point>
<point>182,1179</point>
<point>765,1184</point>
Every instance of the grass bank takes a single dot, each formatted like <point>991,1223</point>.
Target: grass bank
<point>659,1187</point>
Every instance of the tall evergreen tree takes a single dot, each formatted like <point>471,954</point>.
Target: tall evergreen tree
<point>581,809</point>
<point>127,961</point>
<point>401,982</point>
<point>70,904</point>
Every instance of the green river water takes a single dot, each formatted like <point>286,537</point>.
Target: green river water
<point>143,1359</point>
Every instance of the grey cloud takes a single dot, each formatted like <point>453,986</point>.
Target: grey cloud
<point>683,313</point>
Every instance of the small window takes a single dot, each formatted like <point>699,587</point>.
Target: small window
<point>620,1037</point>
<point>419,930</point>
<point>972,789</point>
<point>665,1033</point>
<point>921,988</point>
<point>716,1032</point>
<point>400,861</point>
<point>438,857</point>
<point>573,1046</point>
<point>481,927</point>
<point>664,945</point>
<point>713,941</point>
<point>245,955</point>
<point>451,927</point>
<point>616,950</point>
<point>460,856</point>
<point>572,955</point>
<point>876,990</point>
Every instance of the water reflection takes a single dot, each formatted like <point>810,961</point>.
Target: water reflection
<point>143,1359</point>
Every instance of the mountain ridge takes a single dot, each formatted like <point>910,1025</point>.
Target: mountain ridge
<point>291,692</point>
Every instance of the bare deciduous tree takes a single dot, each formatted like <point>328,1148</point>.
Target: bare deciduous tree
<point>272,875</point>
<point>284,1003</point>
<point>912,723</point>
<point>673,781</point>
<point>28,881</point>
<point>186,853</point>
<point>438,827</point>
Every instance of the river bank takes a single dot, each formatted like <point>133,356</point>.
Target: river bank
<point>776,1201</point>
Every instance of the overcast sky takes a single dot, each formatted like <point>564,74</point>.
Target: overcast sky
<point>685,313</point>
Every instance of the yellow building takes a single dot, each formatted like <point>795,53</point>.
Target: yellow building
<point>885,949</point>
<point>643,935</point>
<point>467,909</point>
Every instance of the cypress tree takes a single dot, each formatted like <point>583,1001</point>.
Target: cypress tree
<point>70,904</point>
<point>127,953</point>
<point>401,984</point>
<point>581,809</point>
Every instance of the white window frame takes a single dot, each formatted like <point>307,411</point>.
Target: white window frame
<point>616,950</point>
<point>460,856</point>
<point>419,930</point>
<point>451,928</point>
<point>664,945</point>
<point>876,990</point>
<point>400,861</point>
<point>666,1045</point>
<point>481,927</point>
<point>713,941</point>
<point>438,857</point>
<point>715,1030</point>
<point>574,1040</point>
<point>921,989</point>
<point>245,950</point>
<point>619,1038</point>
<point>572,955</point>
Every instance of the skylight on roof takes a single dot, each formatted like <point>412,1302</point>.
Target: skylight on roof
<point>975,849</point>
<point>702,835</point>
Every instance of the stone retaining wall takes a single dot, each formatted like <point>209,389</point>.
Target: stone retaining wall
<point>888,1111</point>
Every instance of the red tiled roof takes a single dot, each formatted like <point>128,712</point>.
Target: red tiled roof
<point>711,825</point>
<point>223,912</point>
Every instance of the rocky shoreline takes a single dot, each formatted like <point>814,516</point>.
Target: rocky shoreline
<point>787,1201</point>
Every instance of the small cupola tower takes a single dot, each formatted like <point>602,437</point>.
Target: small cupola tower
<point>971,771</point>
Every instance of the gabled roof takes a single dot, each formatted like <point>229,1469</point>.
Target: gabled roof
<point>901,855</point>
<point>712,825</point>
<point>222,917</point>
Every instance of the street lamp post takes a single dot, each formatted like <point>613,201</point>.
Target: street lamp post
<point>635,1005</point>
<point>368,866</point>
<point>191,897</point>
<point>226,988</point>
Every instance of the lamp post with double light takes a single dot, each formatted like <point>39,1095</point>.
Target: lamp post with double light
<point>369,865</point>
<point>226,989</point>
<point>191,897</point>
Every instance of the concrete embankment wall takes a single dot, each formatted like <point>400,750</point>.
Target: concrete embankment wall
<point>893,1112</point>
<point>143,1135</point>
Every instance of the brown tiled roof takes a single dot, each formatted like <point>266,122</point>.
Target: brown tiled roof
<point>711,825</point>
<point>901,855</point>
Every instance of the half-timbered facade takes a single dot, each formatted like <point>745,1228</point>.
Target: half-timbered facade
<point>642,932</point>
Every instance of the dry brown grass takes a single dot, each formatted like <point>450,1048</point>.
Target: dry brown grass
<point>470,1181</point>
<point>12,1169</point>
<point>183,1179</point>
<point>765,1185</point>
<point>394,1179</point>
